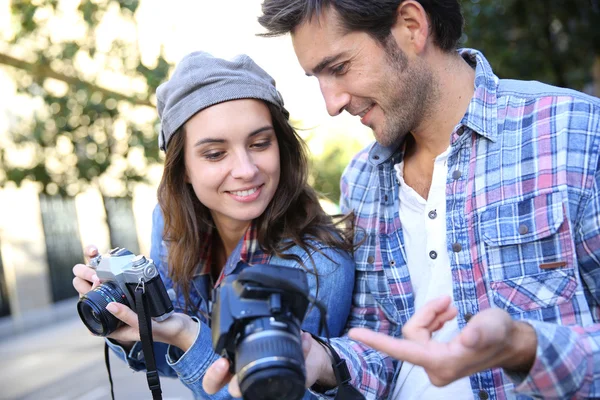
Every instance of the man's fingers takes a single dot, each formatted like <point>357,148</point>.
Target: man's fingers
<point>487,328</point>
<point>400,349</point>
<point>442,318</point>
<point>234,388</point>
<point>217,376</point>
<point>429,312</point>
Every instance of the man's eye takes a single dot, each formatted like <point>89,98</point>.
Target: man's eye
<point>339,69</point>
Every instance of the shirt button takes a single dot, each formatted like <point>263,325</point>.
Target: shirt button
<point>375,157</point>
<point>432,214</point>
<point>370,259</point>
<point>456,247</point>
<point>432,255</point>
<point>468,316</point>
<point>523,229</point>
<point>483,395</point>
<point>456,175</point>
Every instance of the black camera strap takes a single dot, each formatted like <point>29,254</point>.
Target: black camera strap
<point>345,391</point>
<point>107,364</point>
<point>145,325</point>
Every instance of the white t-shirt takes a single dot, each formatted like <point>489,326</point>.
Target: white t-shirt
<point>424,230</point>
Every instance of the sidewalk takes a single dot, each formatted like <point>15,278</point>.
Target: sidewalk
<point>63,361</point>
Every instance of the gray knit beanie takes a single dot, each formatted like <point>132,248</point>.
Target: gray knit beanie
<point>201,80</point>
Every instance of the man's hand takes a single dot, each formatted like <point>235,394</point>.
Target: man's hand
<point>490,339</point>
<point>317,362</point>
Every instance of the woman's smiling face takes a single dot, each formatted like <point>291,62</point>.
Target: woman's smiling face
<point>232,160</point>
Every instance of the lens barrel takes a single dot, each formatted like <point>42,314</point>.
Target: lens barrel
<point>92,308</point>
<point>270,365</point>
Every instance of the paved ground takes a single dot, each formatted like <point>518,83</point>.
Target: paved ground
<point>62,361</point>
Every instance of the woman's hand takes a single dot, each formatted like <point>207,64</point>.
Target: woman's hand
<point>179,329</point>
<point>85,276</point>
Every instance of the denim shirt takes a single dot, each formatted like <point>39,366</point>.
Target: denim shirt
<point>335,275</point>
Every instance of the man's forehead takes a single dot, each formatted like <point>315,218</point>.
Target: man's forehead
<point>318,40</point>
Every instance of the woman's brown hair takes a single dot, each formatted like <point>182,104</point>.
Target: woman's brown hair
<point>293,217</point>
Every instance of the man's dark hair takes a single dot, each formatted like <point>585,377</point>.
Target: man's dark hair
<point>376,18</point>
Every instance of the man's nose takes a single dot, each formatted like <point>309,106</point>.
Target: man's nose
<point>335,98</point>
<point>245,168</point>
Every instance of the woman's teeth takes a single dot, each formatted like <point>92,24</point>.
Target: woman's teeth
<point>244,193</point>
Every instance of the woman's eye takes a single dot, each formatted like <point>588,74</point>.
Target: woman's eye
<point>213,156</point>
<point>261,145</point>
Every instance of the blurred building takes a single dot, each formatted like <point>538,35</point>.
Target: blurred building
<point>42,237</point>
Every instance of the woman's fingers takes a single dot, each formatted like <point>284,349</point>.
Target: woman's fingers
<point>85,279</point>
<point>125,314</point>
<point>90,251</point>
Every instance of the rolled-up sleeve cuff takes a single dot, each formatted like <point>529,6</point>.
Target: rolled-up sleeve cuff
<point>559,366</point>
<point>191,365</point>
<point>135,357</point>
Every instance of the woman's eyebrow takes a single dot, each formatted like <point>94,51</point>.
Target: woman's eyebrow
<point>214,140</point>
<point>259,130</point>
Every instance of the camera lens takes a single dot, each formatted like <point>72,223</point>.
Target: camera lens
<point>270,365</point>
<point>92,308</point>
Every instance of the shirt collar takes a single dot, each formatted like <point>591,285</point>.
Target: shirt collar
<point>481,115</point>
<point>247,251</point>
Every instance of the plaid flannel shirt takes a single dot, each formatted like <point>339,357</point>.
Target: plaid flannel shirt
<point>523,202</point>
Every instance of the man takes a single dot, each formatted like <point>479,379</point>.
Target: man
<point>479,192</point>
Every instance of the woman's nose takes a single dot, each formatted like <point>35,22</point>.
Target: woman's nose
<point>244,168</point>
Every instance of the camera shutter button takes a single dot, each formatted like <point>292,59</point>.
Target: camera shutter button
<point>138,260</point>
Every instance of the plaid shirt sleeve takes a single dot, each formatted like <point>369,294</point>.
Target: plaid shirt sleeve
<point>567,364</point>
<point>567,361</point>
<point>371,371</point>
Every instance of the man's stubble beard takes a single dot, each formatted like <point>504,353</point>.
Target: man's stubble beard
<point>410,94</point>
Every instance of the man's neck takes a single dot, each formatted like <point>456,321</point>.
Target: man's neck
<point>455,89</point>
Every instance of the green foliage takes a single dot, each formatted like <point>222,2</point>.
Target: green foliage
<point>329,155</point>
<point>326,171</point>
<point>81,132</point>
<point>553,41</point>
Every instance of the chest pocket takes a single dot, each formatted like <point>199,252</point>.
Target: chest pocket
<point>372,290</point>
<point>529,253</point>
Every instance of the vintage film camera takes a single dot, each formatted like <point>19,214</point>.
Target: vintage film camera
<point>256,321</point>
<point>121,272</point>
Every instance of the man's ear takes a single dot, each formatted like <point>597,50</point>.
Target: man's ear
<point>411,29</point>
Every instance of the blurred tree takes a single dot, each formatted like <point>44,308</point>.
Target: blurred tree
<point>553,41</point>
<point>329,155</point>
<point>95,123</point>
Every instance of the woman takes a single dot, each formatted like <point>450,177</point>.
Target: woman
<point>234,192</point>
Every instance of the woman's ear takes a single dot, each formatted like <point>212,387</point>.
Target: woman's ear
<point>411,29</point>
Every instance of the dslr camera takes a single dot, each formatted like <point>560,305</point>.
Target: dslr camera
<point>256,319</point>
<point>121,273</point>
